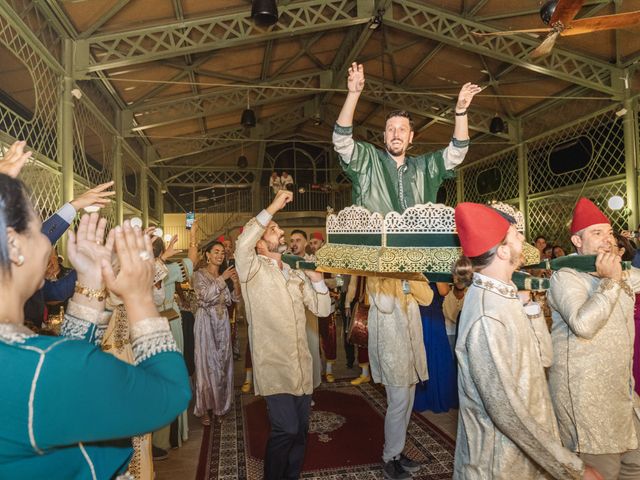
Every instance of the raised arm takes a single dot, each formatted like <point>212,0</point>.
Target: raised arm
<point>342,134</point>
<point>456,151</point>
<point>245,254</point>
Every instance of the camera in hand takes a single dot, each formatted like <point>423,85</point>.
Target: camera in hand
<point>231,262</point>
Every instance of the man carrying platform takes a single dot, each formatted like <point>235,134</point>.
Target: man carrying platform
<point>591,380</point>
<point>506,425</point>
<point>389,180</point>
<point>275,298</point>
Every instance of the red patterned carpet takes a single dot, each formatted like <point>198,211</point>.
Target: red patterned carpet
<point>344,443</point>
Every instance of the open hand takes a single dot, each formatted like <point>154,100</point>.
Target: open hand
<point>14,159</point>
<point>96,196</point>
<point>171,249</point>
<point>355,80</point>
<point>467,92</point>
<point>86,250</point>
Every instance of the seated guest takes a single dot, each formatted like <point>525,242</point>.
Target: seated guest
<point>64,402</point>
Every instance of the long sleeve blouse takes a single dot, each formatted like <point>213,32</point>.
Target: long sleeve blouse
<point>64,401</point>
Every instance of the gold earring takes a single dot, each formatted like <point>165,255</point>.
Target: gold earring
<point>20,261</point>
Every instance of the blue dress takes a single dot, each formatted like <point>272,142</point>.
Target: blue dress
<point>440,392</point>
<point>63,401</point>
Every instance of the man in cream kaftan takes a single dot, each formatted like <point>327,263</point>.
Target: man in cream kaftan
<point>275,299</point>
<point>506,426</point>
<point>591,380</point>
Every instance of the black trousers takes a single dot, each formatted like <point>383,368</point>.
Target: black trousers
<point>289,418</point>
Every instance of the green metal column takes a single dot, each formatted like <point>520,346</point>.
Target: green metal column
<point>119,181</point>
<point>523,175</point>
<point>630,128</point>
<point>65,129</point>
<point>144,185</point>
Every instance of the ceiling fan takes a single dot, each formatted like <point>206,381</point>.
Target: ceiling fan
<point>560,16</point>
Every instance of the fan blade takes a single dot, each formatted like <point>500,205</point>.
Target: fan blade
<point>605,22</point>
<point>513,32</point>
<point>545,47</point>
<point>565,11</point>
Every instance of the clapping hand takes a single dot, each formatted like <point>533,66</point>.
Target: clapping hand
<point>355,80</point>
<point>87,250</point>
<point>14,159</point>
<point>135,255</point>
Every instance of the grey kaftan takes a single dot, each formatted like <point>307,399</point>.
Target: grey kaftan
<point>212,335</point>
<point>506,425</point>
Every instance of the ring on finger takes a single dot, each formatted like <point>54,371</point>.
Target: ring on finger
<point>144,255</point>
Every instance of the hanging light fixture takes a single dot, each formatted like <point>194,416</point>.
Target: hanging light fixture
<point>264,12</point>
<point>496,125</point>
<point>248,118</point>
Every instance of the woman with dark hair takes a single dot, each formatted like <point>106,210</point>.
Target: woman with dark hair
<point>212,334</point>
<point>63,401</point>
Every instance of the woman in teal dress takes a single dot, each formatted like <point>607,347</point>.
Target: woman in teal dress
<point>67,409</point>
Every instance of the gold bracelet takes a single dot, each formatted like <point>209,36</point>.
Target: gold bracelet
<point>99,295</point>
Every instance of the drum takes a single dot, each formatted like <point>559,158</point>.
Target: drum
<point>358,330</point>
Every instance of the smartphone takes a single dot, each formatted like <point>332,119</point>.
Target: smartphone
<point>231,262</point>
<point>191,216</point>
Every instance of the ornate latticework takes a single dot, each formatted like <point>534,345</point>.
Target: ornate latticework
<point>132,182</point>
<point>354,219</point>
<point>39,131</point>
<point>44,187</point>
<point>93,145</point>
<point>550,216</point>
<point>450,192</point>
<point>427,218</point>
<point>605,135</point>
<point>495,178</point>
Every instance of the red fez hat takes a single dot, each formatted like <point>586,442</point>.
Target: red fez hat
<point>586,214</point>
<point>480,228</point>
<point>318,236</point>
<point>220,239</point>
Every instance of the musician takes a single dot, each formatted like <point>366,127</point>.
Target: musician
<point>275,298</point>
<point>389,180</point>
<point>506,428</point>
<point>591,382</point>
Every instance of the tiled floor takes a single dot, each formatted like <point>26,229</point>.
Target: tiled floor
<point>183,462</point>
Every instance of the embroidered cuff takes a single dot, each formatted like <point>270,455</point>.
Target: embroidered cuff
<point>459,143</point>
<point>90,314</point>
<point>150,337</point>
<point>79,319</point>
<point>340,130</point>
